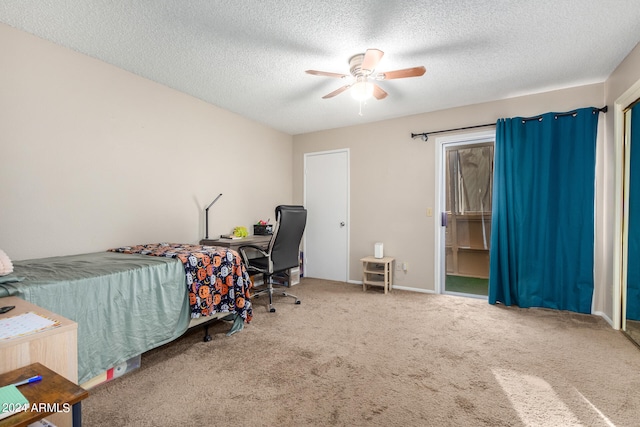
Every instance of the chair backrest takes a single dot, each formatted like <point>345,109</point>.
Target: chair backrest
<point>284,246</point>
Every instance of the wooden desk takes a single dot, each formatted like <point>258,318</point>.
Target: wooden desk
<point>53,394</point>
<point>56,348</point>
<point>261,241</point>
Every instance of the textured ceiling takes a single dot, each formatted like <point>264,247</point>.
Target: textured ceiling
<point>249,56</point>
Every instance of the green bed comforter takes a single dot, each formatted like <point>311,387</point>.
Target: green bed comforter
<point>124,304</point>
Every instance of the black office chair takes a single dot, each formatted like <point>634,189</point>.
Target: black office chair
<point>283,251</point>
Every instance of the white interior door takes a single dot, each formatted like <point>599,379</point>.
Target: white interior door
<point>326,193</point>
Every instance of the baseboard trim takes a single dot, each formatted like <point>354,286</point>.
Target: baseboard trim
<point>400,288</point>
<point>419,290</point>
<point>605,317</point>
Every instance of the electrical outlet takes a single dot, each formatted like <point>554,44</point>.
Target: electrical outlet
<point>405,266</point>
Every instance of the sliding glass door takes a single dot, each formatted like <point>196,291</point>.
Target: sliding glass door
<point>468,182</point>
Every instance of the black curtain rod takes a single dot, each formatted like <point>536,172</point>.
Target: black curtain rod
<point>425,135</point>
<point>568,113</point>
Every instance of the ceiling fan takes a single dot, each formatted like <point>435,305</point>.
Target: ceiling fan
<point>363,69</point>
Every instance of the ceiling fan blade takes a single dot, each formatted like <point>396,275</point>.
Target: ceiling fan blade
<point>371,59</point>
<point>401,74</point>
<point>336,92</point>
<point>378,92</point>
<point>326,74</point>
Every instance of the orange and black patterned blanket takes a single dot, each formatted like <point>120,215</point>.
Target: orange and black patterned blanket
<point>217,280</point>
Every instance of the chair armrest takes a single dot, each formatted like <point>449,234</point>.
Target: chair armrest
<point>254,248</point>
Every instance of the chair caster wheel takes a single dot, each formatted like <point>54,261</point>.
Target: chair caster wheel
<point>298,302</point>
<point>207,338</point>
<point>272,310</point>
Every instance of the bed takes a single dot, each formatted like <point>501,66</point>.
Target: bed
<point>129,300</point>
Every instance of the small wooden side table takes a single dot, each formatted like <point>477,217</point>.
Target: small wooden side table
<point>54,393</point>
<point>377,272</point>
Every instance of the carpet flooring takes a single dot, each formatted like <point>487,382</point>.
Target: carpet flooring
<point>345,357</point>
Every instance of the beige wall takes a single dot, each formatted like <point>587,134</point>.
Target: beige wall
<point>393,179</point>
<point>92,157</point>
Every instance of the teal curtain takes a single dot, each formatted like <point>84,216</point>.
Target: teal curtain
<point>542,238</point>
<point>633,245</point>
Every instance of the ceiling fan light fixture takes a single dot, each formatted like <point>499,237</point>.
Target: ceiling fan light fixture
<point>362,67</point>
<point>362,90</point>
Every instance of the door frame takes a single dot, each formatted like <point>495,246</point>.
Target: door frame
<point>348,213</point>
<point>621,206</point>
<point>442,143</point>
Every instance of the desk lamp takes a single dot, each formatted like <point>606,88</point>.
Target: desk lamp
<point>206,216</point>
